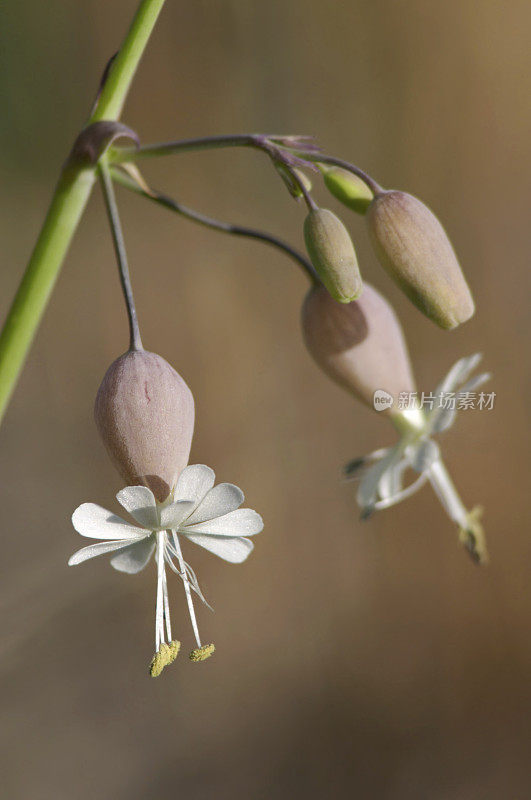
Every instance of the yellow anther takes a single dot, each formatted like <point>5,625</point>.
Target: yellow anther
<point>202,653</point>
<point>159,661</point>
<point>173,648</point>
<point>472,536</point>
<point>164,656</point>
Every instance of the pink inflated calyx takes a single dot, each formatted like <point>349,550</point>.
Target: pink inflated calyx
<point>360,345</point>
<point>144,412</point>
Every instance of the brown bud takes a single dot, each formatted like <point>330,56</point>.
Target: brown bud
<point>360,345</point>
<point>413,247</point>
<point>332,253</point>
<point>145,414</point>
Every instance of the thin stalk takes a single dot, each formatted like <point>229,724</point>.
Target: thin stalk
<point>125,154</point>
<point>308,199</point>
<point>216,224</point>
<point>182,146</point>
<point>66,209</point>
<point>135,341</point>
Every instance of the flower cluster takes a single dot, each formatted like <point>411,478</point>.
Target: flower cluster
<point>145,411</point>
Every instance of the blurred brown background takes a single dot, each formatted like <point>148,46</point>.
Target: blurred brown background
<point>373,660</point>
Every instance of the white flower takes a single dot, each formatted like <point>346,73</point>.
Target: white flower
<point>207,515</point>
<point>382,473</point>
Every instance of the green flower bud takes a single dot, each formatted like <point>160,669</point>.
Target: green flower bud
<point>413,247</point>
<point>144,412</point>
<point>332,254</point>
<point>360,346</point>
<point>293,186</point>
<point>347,188</point>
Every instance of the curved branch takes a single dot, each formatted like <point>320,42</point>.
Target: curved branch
<point>215,224</point>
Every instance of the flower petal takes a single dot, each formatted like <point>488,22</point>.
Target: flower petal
<point>392,500</point>
<point>422,455</point>
<point>458,373</point>
<point>234,549</point>
<point>139,501</point>
<point>243,522</point>
<point>194,482</point>
<point>391,481</point>
<point>368,488</point>
<point>134,558</point>
<point>441,419</point>
<point>171,516</point>
<point>97,523</point>
<point>220,500</point>
<point>98,549</point>
<point>476,382</point>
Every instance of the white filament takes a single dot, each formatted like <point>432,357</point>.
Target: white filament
<point>447,493</point>
<point>188,592</point>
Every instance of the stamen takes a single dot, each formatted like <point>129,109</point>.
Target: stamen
<point>159,660</point>
<point>166,606</point>
<point>194,583</point>
<point>355,468</point>
<point>166,654</point>
<point>174,648</point>
<point>187,589</point>
<point>471,533</point>
<point>159,614</point>
<point>352,469</point>
<point>472,536</point>
<point>202,653</point>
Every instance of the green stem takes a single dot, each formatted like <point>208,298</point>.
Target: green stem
<point>66,209</point>
<point>117,86</point>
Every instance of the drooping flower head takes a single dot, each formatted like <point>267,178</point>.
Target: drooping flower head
<point>361,346</point>
<point>145,413</point>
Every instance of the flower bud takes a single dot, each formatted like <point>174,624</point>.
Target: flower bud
<point>413,247</point>
<point>292,182</point>
<point>332,253</point>
<point>348,188</point>
<point>360,345</point>
<point>145,414</point>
